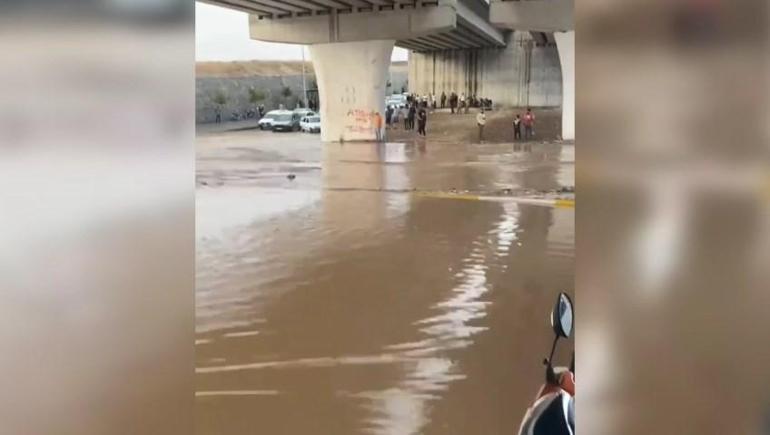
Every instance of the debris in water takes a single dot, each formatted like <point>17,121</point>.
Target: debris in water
<point>291,176</point>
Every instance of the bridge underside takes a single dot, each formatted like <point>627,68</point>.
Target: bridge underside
<point>464,35</point>
<point>302,8</point>
<point>420,25</point>
<point>535,16</point>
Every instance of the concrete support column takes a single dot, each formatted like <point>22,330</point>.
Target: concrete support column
<point>565,42</point>
<point>352,78</point>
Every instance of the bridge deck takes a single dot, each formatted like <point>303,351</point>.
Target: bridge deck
<point>471,30</point>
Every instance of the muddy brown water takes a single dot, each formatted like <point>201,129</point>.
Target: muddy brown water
<point>335,303</point>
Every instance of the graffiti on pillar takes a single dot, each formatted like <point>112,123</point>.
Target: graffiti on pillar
<point>360,120</point>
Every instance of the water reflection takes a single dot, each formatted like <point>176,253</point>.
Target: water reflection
<point>403,410</point>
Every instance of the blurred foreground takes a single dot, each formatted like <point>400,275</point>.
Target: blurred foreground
<point>96,220</point>
<point>674,221</point>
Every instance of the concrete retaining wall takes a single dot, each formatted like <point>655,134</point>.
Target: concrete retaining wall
<point>237,91</point>
<point>521,74</point>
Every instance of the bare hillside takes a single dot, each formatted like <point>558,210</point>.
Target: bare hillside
<point>270,68</point>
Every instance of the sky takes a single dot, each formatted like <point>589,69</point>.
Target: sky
<point>223,34</point>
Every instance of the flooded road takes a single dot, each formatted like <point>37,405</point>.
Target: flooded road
<point>339,302</point>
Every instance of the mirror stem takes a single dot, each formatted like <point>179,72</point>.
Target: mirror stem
<point>550,375</point>
<point>553,349</point>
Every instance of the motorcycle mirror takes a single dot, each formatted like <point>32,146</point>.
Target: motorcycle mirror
<point>562,316</point>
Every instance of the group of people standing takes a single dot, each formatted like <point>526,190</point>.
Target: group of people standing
<point>413,110</point>
<point>457,103</point>
<point>460,104</point>
<point>528,122</point>
<point>416,109</point>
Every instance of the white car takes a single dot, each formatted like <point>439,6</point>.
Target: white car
<point>311,124</point>
<point>396,100</point>
<point>266,122</point>
<point>302,112</point>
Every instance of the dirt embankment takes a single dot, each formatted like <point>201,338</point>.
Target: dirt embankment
<point>251,68</point>
<point>269,68</point>
<point>447,127</point>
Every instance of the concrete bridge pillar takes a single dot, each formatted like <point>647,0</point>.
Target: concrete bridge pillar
<point>352,78</point>
<point>565,42</point>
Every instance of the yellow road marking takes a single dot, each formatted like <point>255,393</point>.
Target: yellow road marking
<point>449,195</point>
<point>562,203</point>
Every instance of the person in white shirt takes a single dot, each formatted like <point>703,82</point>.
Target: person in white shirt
<point>405,117</point>
<point>481,120</point>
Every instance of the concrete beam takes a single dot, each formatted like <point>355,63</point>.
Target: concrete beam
<point>275,8</point>
<point>312,6</point>
<point>463,32</point>
<point>479,7</point>
<point>361,26</point>
<point>534,16</point>
<point>381,2</point>
<point>332,4</point>
<point>287,6</point>
<point>454,40</point>
<point>356,4</point>
<point>414,45</point>
<point>436,45</point>
<point>251,10</point>
<point>479,24</point>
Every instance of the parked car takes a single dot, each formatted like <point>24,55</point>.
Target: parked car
<point>285,120</point>
<point>311,124</point>
<point>396,100</point>
<point>266,122</point>
<point>304,112</point>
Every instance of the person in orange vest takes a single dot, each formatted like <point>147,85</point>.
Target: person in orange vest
<point>378,126</point>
